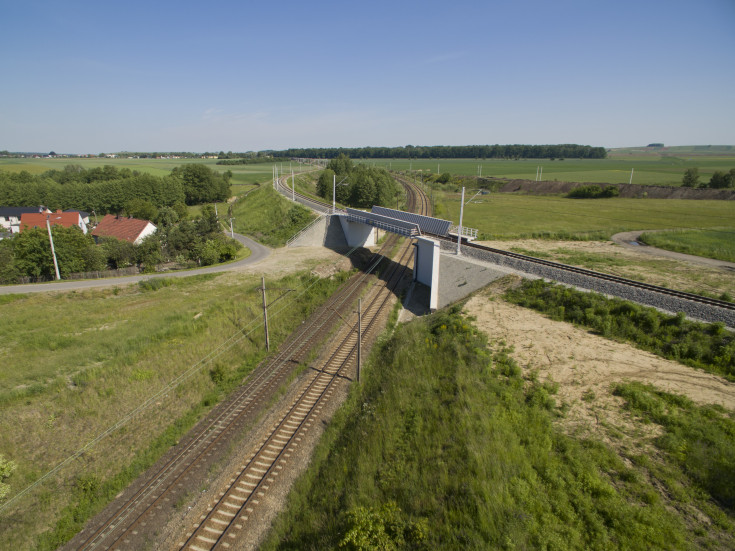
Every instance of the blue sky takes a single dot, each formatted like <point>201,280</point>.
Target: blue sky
<point>90,77</point>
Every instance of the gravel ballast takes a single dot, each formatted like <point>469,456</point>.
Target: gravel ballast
<point>693,310</point>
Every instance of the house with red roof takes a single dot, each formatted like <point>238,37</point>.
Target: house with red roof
<point>30,220</point>
<point>125,229</point>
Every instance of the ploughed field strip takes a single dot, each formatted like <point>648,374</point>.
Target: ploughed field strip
<point>131,519</point>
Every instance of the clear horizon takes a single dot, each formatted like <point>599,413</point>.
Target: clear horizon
<point>172,76</point>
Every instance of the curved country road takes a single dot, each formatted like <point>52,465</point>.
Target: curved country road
<point>258,252</point>
<point>629,240</point>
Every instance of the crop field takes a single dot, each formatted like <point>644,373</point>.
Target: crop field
<point>506,216</point>
<point>647,170</point>
<point>84,361</point>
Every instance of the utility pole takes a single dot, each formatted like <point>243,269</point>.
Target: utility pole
<point>631,176</point>
<point>232,232</point>
<point>459,232</point>
<point>265,318</point>
<point>53,251</point>
<point>293,188</point>
<point>359,337</point>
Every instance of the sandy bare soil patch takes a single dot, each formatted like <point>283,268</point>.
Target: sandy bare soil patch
<point>286,260</point>
<point>586,365</point>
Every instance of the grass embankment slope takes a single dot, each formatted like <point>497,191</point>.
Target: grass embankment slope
<point>268,217</point>
<point>449,444</point>
<point>84,361</point>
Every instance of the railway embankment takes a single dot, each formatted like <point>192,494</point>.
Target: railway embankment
<point>667,303</point>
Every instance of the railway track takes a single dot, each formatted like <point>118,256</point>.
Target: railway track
<point>682,295</point>
<point>193,456</point>
<point>227,519</point>
<point>125,524</point>
<point>608,277</point>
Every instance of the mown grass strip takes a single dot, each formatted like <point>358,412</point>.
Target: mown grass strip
<point>717,244</point>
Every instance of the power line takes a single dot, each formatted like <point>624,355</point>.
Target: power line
<point>197,366</point>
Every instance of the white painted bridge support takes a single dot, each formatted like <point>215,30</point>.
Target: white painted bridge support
<point>426,267</point>
<point>358,234</point>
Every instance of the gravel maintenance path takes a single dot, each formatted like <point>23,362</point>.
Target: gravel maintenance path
<point>629,240</point>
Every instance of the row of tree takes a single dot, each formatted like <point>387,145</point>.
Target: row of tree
<point>360,185</point>
<point>517,151</point>
<point>719,180</point>
<point>108,189</point>
<point>181,240</point>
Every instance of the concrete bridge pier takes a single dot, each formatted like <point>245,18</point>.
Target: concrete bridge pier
<point>426,267</point>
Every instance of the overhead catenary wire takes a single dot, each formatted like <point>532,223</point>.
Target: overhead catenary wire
<point>253,325</point>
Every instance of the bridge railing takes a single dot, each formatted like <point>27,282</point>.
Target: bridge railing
<point>469,233</point>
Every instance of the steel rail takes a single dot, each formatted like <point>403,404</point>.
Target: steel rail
<point>230,417</point>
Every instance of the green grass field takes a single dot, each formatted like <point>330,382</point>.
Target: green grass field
<point>503,215</point>
<point>714,243</point>
<point>449,444</point>
<point>647,170</point>
<point>84,360</point>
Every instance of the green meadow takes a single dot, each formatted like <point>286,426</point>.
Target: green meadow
<point>506,216</point>
<point>713,243</point>
<point>647,170</point>
<point>84,361</point>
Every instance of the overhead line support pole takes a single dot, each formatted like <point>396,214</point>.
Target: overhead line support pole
<point>265,317</point>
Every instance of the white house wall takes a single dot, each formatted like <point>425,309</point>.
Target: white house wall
<point>150,229</point>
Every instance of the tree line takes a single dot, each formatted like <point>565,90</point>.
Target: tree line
<point>109,189</point>
<point>719,180</point>
<point>362,186</point>
<point>517,151</point>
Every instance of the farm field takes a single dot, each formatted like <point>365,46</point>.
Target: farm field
<point>94,357</point>
<point>648,170</point>
<point>507,216</point>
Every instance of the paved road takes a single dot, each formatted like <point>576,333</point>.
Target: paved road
<point>629,240</point>
<point>257,253</point>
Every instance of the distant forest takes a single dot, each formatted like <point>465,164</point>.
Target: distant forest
<point>562,151</point>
